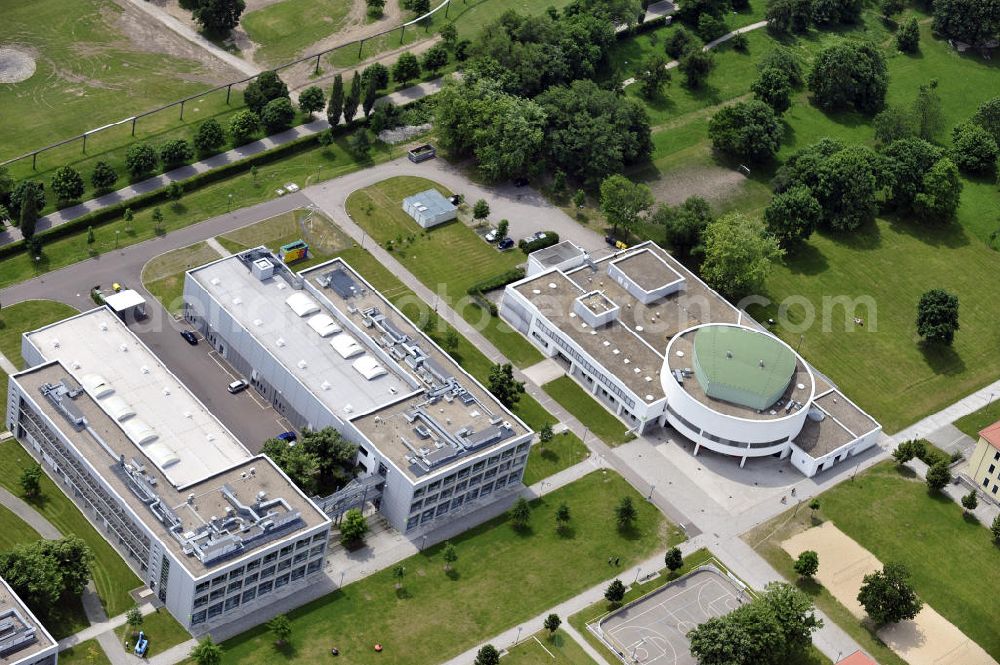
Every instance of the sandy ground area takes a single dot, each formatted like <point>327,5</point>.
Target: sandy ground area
<point>929,639</point>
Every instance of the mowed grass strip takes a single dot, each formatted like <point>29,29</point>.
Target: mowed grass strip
<point>88,652</point>
<point>564,450</point>
<point>448,259</point>
<point>592,414</point>
<point>164,275</point>
<point>285,29</point>
<point>160,628</point>
<point>113,578</point>
<point>19,318</point>
<point>555,649</point>
<point>976,421</point>
<point>502,576</point>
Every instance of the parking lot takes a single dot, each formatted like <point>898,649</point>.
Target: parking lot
<point>653,630</point>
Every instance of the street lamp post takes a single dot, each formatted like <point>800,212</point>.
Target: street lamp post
<point>229,207</point>
<point>637,571</point>
<point>518,638</point>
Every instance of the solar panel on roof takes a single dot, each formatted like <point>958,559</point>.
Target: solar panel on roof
<point>342,283</point>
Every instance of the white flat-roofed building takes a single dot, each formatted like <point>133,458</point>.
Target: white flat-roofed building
<point>432,442</point>
<point>23,638</point>
<point>215,531</point>
<point>657,346</point>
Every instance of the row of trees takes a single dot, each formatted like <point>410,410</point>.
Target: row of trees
<point>796,16</point>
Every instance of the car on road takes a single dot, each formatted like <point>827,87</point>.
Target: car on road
<point>190,337</point>
<point>238,386</point>
<point>287,436</point>
<point>141,644</point>
<point>491,236</point>
<point>505,244</point>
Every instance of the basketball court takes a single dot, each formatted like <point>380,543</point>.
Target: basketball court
<point>652,630</point>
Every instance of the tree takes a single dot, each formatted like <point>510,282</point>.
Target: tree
<point>45,572</point>
<point>134,618</point>
<point>974,22</point>
<point>814,505</point>
<point>301,465</point>
<point>398,573</point>
<point>375,8</point>
<point>266,87</point>
<point>502,228</point>
<point>209,137</point>
<point>684,225</point>
<point>673,559</point>
<point>615,592</point>
<point>973,149</point>
<point>67,183</point>
<point>335,106</point>
<point>175,191</point>
<point>986,116</point>
<point>890,8</point>
<point>128,216</point>
<point>739,253</point>
<point>792,216</point>
<point>796,618</point>
<point>353,527</point>
<point>207,652</point>
<point>696,65</point>
<point>788,16</point>
<point>887,595</point>
<point>848,186</point>
<point>371,94</point>
<point>435,58</point>
<point>157,218</point>
<point>449,34</point>
<point>219,16</point>
<point>504,386</point>
<point>277,115</point>
<point>552,623</point>
<point>462,50</point>
<point>773,88</point>
<point>487,655</point>
<point>562,518</point>
<point>748,130</point>
<point>520,513</point>
<point>786,62</point>
<point>970,501</point>
<point>140,160</point>
<point>353,98</point>
<point>995,530</point>
<point>377,72</point>
<point>419,7</point>
<point>450,556</point>
<point>941,192</point>
<point>625,513</point>
<point>740,42</point>
<point>312,100</point>
<point>385,116</point>
<point>31,481</point>
<point>28,217</point>
<point>335,455</point>
<point>90,235</point>
<point>904,452</point>
<point>406,68</point>
<point>937,316</point>
<point>545,434</point>
<point>828,12</point>
<point>927,116</point>
<point>653,76</point>
<point>807,564</point>
<point>623,202</point>
<point>175,152</point>
<point>580,198</point>
<point>103,177</point>
<point>908,37</point>
<point>909,159</point>
<point>481,210</point>
<point>281,627</point>
<point>710,27</point>
<point>450,341</point>
<point>679,41</point>
<point>243,126</point>
<point>938,476</point>
<point>849,75</point>
<point>892,124</point>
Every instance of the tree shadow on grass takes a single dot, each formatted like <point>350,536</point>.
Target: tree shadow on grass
<point>566,533</point>
<point>549,455</point>
<point>946,234</point>
<point>630,532</point>
<point>809,586</point>
<point>523,531</point>
<point>806,259</point>
<point>865,237</point>
<point>453,575</point>
<point>970,518</point>
<point>905,471</point>
<point>943,360</point>
<point>286,649</point>
<point>403,594</point>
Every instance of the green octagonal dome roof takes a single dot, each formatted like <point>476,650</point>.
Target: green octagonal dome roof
<point>742,366</point>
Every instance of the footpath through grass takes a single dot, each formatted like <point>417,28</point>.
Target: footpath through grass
<point>88,652</point>
<point>555,649</point>
<point>431,256</point>
<point>160,628</point>
<point>588,411</point>
<point>890,513</point>
<point>502,576</point>
<point>113,578</point>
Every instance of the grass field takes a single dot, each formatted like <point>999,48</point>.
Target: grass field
<point>502,576</point>
<point>892,515</point>
<point>112,577</point>
<point>160,628</point>
<point>555,649</point>
<point>88,652</point>
<point>976,421</point>
<point>564,450</point>
<point>164,275</point>
<point>429,255</point>
<point>284,30</point>
<point>24,316</point>
<point>591,413</point>
<point>14,531</point>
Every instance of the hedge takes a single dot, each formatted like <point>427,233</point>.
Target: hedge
<point>551,238</point>
<point>495,282</point>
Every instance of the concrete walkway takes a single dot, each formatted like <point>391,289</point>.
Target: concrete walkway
<point>6,365</point>
<point>217,246</point>
<point>29,515</point>
<point>950,414</point>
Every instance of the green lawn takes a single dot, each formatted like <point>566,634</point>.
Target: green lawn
<point>14,531</point>
<point>160,628</point>
<point>892,515</point>
<point>563,451</point>
<point>88,652</point>
<point>502,577</point>
<point>164,275</point>
<point>429,255</point>
<point>24,316</point>
<point>113,578</point>
<point>976,421</point>
<point>591,413</point>
<point>286,29</point>
<point>556,649</point>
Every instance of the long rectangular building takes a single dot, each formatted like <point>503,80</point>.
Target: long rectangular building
<point>327,349</point>
<point>23,639</point>
<point>213,530</point>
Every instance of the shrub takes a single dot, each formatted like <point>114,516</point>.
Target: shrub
<point>551,238</point>
<point>243,126</point>
<point>973,149</point>
<point>277,115</point>
<point>103,177</point>
<point>67,184</point>
<point>679,42</point>
<point>175,152</point>
<point>140,160</point>
<point>908,37</point>
<point>209,137</point>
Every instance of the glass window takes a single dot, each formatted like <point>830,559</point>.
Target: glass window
<point>487,488</point>
<point>431,500</point>
<point>215,610</point>
<point>463,473</point>
<point>232,602</point>
<point>281,581</point>
<point>265,588</point>
<point>234,586</point>
<point>253,565</point>
<point>314,566</point>
<point>298,573</point>
<point>285,564</point>
<point>476,479</point>
<point>427,515</point>
<point>523,447</point>
<point>412,522</point>
<point>472,494</point>
<point>993,467</point>
<point>271,556</point>
<point>416,505</point>
<point>478,466</point>
<point>286,550</point>
<point>319,537</point>
<point>249,594</point>
<point>300,557</point>
<point>446,494</point>
<point>217,594</point>
<point>442,509</point>
<point>219,579</point>
<point>434,486</point>
<point>304,542</point>
<point>199,617</point>
<point>491,472</point>
<point>507,454</point>
<point>461,486</point>
<point>201,601</point>
<point>316,551</point>
<point>457,501</point>
<point>267,572</point>
<point>203,586</point>
<point>450,480</point>
<point>493,460</point>
<point>419,492</point>
<point>250,579</point>
<point>236,572</point>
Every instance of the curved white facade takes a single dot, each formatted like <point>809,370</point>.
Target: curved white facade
<point>725,433</point>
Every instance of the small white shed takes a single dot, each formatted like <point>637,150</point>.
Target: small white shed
<point>429,208</point>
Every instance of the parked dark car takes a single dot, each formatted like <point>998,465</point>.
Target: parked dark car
<point>506,243</point>
<point>190,337</point>
<point>287,436</point>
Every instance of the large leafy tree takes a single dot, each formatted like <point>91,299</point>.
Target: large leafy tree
<point>782,59</point>
<point>787,16</point>
<point>739,253</point>
<point>406,69</point>
<point>887,595</point>
<point>849,75</point>
<point>207,652</point>
<point>792,216</point>
<point>140,160</point>
<point>849,182</point>
<point>623,202</point>
<point>928,119</point>
<point>748,130</point>
<point>46,572</point>
<point>937,316</point>
<point>986,116</point>
<point>67,184</point>
<point>974,22</point>
<point>504,386</point>
<point>301,465</point>
<point>243,125</point>
<point>312,99</point>
<point>973,149</point>
<point>219,16</point>
<point>684,225</point>
<point>940,192</point>
<point>893,123</point>
<point>336,456</point>
<point>696,65</point>
<point>908,160</point>
<point>277,115</point>
<point>774,89</point>
<point>209,137</point>
<point>266,87</point>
